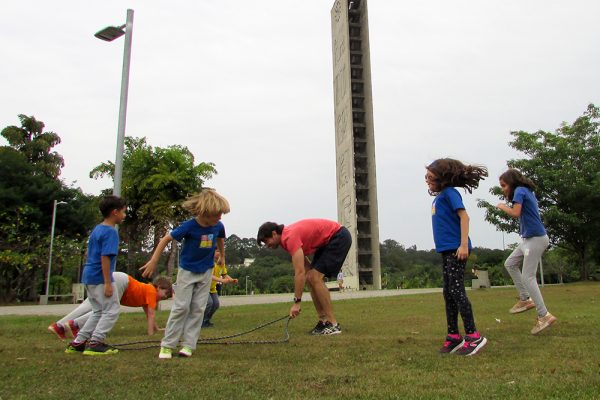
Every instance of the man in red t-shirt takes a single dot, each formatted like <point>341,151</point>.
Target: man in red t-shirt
<point>329,242</point>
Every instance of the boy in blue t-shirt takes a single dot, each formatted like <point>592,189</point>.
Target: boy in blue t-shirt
<point>103,246</point>
<point>200,236</point>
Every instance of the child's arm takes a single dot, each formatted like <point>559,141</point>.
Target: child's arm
<point>151,317</point>
<point>150,267</point>
<point>463,251</point>
<point>108,289</point>
<point>514,211</point>
<point>227,279</point>
<point>221,247</point>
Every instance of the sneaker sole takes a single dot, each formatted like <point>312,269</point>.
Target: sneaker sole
<point>98,353</point>
<point>165,357</point>
<point>479,347</point>
<point>69,351</point>
<point>520,310</point>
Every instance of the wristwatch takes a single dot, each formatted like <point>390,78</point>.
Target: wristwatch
<point>297,299</point>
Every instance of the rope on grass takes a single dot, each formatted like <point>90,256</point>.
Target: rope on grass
<point>150,344</point>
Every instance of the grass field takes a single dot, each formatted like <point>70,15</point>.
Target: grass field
<point>388,350</point>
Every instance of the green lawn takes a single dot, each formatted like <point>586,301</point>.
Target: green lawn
<point>388,350</point>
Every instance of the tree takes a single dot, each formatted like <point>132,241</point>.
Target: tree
<point>29,184</point>
<point>564,165</point>
<point>155,182</point>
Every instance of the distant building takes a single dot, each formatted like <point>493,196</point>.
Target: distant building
<point>248,262</point>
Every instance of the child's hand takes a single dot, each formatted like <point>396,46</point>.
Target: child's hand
<point>148,269</point>
<point>108,290</point>
<point>462,253</point>
<point>234,281</point>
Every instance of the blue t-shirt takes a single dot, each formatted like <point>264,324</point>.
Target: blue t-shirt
<point>530,222</point>
<point>445,220</point>
<point>199,244</point>
<point>104,241</point>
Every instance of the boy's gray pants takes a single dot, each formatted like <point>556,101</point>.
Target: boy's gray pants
<point>105,312</point>
<point>529,253</point>
<point>81,314</point>
<point>185,319</point>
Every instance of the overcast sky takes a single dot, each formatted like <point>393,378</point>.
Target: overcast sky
<point>248,85</point>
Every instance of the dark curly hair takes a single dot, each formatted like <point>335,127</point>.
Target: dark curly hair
<point>514,178</point>
<point>453,173</point>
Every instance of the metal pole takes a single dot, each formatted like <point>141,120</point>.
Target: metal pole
<point>123,106</point>
<point>51,244</point>
<point>246,285</point>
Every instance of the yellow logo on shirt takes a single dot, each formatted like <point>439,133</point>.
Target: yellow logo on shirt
<point>206,241</point>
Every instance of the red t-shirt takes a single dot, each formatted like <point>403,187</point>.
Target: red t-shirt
<point>308,234</point>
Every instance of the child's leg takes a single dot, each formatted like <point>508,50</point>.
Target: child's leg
<point>451,306</point>
<point>84,308</point>
<point>193,322</point>
<point>110,314</point>
<point>456,290</point>
<point>186,282</point>
<point>209,305</point>
<point>512,265</point>
<point>533,248</point>
<point>86,330</point>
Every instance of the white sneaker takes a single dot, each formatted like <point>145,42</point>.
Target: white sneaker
<point>542,323</point>
<point>165,353</point>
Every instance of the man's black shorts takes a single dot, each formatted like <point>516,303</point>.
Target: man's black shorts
<point>328,259</point>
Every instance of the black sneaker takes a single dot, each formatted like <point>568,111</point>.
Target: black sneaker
<point>75,347</point>
<point>331,329</point>
<point>318,329</point>
<point>451,345</point>
<point>98,349</point>
<point>471,346</point>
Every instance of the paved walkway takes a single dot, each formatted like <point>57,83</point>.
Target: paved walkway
<point>226,301</point>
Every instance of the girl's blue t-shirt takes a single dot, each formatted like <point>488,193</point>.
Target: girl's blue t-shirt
<point>445,220</point>
<point>104,241</point>
<point>530,222</point>
<point>199,244</point>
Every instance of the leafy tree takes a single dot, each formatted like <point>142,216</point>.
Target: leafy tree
<point>564,165</point>
<point>155,182</point>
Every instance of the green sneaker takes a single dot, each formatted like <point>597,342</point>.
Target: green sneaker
<point>98,349</point>
<point>165,353</point>
<point>185,351</point>
<point>74,347</point>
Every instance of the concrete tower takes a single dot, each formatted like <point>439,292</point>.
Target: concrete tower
<point>355,142</point>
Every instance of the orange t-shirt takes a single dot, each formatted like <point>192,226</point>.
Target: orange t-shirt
<point>139,294</point>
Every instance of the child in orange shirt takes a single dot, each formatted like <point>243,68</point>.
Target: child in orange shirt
<point>131,292</point>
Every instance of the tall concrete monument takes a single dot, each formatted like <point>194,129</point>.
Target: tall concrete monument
<point>355,143</point>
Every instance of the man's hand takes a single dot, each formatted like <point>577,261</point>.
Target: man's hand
<point>295,310</point>
<point>108,290</point>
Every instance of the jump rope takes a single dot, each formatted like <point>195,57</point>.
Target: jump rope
<point>150,344</point>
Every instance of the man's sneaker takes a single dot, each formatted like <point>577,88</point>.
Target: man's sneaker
<point>451,344</point>
<point>71,329</point>
<point>318,329</point>
<point>185,351</point>
<point>542,323</point>
<point>75,347</point>
<point>98,349</point>
<point>521,306</point>
<point>58,330</point>
<point>165,353</point>
<point>331,329</point>
<point>471,345</point>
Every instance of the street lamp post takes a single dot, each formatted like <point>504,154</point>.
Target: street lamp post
<point>44,299</point>
<point>109,34</point>
<point>246,285</point>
